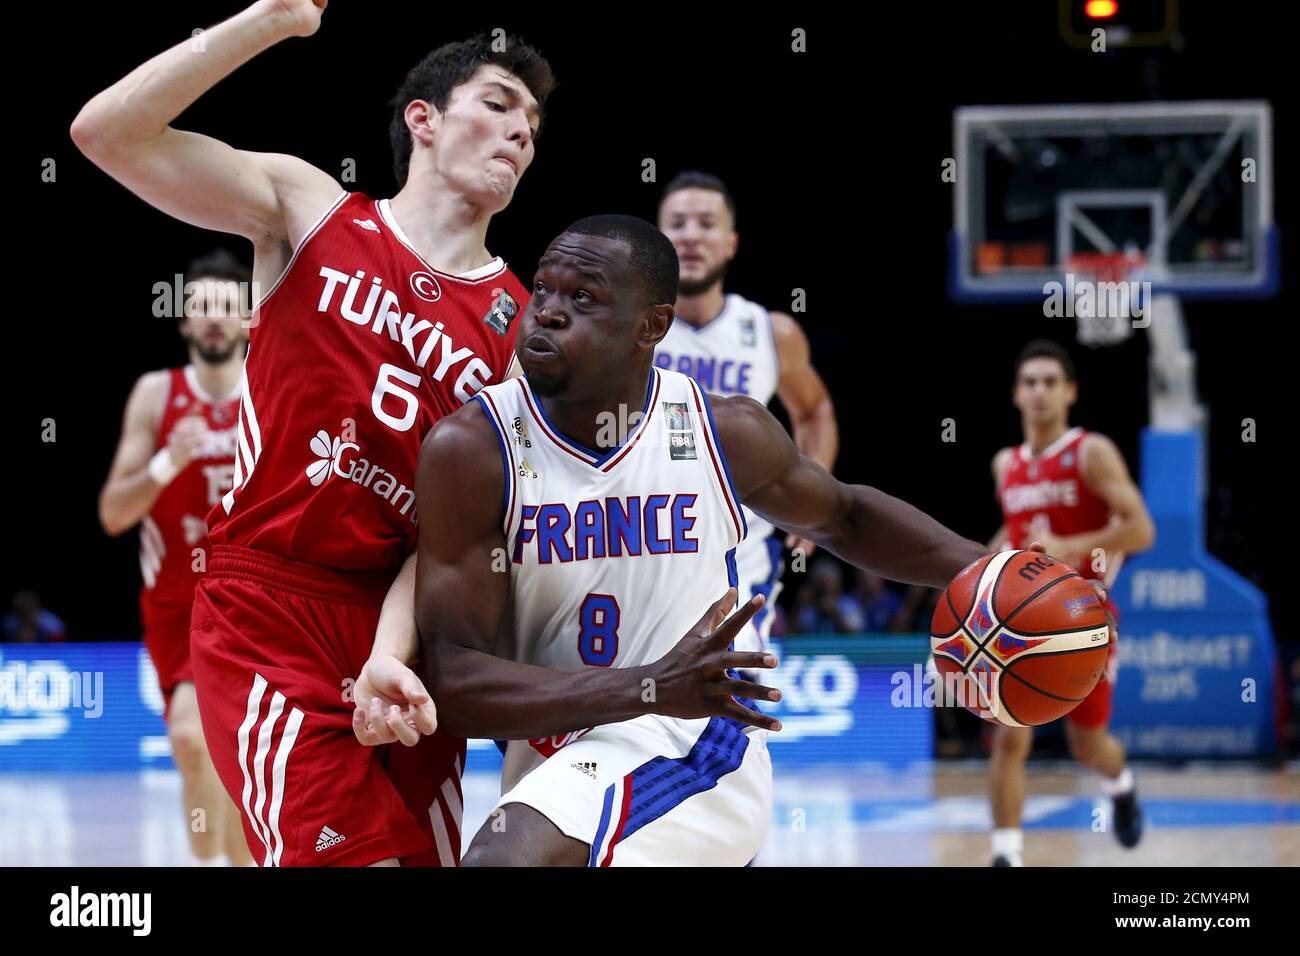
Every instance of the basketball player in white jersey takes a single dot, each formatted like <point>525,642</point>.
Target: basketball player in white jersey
<point>173,462</point>
<point>732,346</point>
<point>562,575</point>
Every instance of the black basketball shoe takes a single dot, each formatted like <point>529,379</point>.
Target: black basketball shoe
<point>1127,817</point>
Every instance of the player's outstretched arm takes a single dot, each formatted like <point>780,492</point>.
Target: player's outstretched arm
<point>132,485</point>
<point>862,525</point>
<point>265,197</point>
<point>462,601</point>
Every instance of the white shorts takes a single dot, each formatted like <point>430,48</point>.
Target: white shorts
<point>654,791</point>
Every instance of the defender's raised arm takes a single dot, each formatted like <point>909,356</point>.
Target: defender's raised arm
<point>125,130</point>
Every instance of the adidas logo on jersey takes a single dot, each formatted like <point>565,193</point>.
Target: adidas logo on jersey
<point>327,839</point>
<point>586,766</point>
<point>367,224</point>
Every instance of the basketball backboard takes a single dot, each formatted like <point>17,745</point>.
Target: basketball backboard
<point>1185,188</point>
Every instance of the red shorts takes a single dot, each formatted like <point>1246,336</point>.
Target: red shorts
<point>167,638</point>
<point>1095,709</point>
<point>276,645</point>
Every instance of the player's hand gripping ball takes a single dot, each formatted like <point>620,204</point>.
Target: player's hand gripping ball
<point>1019,638</point>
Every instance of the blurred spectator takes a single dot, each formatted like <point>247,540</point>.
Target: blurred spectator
<point>916,610</point>
<point>878,604</point>
<point>822,607</point>
<point>29,623</point>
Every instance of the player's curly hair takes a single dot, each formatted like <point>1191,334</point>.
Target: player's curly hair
<point>451,64</point>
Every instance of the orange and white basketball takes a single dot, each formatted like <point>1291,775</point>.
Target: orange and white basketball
<point>1020,638</point>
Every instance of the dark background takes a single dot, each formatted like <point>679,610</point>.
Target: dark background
<point>834,158</point>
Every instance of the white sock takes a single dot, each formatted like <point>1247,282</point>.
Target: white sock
<point>1120,785</point>
<point>1009,842</point>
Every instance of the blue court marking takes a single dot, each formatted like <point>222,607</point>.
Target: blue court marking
<point>1180,813</point>
<point>971,814</point>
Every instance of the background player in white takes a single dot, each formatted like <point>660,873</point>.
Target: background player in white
<point>732,346</point>
<point>169,470</point>
<point>515,653</point>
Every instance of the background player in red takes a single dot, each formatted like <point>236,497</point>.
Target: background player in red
<point>375,319</point>
<point>174,461</point>
<point>1070,490</point>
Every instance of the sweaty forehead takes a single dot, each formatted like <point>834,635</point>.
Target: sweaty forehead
<point>597,255</point>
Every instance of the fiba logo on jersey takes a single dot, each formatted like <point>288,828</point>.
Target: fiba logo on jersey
<point>681,437</point>
<point>501,314</point>
<point>521,432</point>
<point>425,286</point>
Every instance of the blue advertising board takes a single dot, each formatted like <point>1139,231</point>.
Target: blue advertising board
<point>82,706</point>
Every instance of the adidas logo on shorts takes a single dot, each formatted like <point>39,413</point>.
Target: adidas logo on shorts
<point>587,766</point>
<point>327,839</point>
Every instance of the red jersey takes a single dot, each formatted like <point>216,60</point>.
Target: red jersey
<point>175,525</point>
<point>358,350</point>
<point>1047,493</point>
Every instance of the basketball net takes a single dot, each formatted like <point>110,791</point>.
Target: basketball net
<point>1108,319</point>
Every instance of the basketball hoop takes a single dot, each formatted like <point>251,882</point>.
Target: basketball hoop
<point>1108,319</point>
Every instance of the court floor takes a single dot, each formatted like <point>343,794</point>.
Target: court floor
<point>931,815</point>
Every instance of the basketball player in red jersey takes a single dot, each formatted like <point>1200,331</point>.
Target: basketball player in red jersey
<point>375,319</point>
<point>1070,490</point>
<point>174,461</point>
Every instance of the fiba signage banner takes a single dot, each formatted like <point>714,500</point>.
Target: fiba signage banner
<point>75,706</point>
<point>1196,652</point>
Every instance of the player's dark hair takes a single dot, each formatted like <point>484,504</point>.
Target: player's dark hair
<point>652,257</point>
<point>218,264</point>
<point>693,179</point>
<point>1045,348</point>
<point>434,77</point>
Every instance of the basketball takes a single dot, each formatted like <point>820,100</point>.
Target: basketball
<point>1019,638</point>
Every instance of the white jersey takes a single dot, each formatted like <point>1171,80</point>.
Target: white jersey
<point>614,557</point>
<point>735,354</point>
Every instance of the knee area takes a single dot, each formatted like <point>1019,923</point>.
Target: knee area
<point>1086,748</point>
<point>1012,743</point>
<point>485,855</point>
<point>189,749</point>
